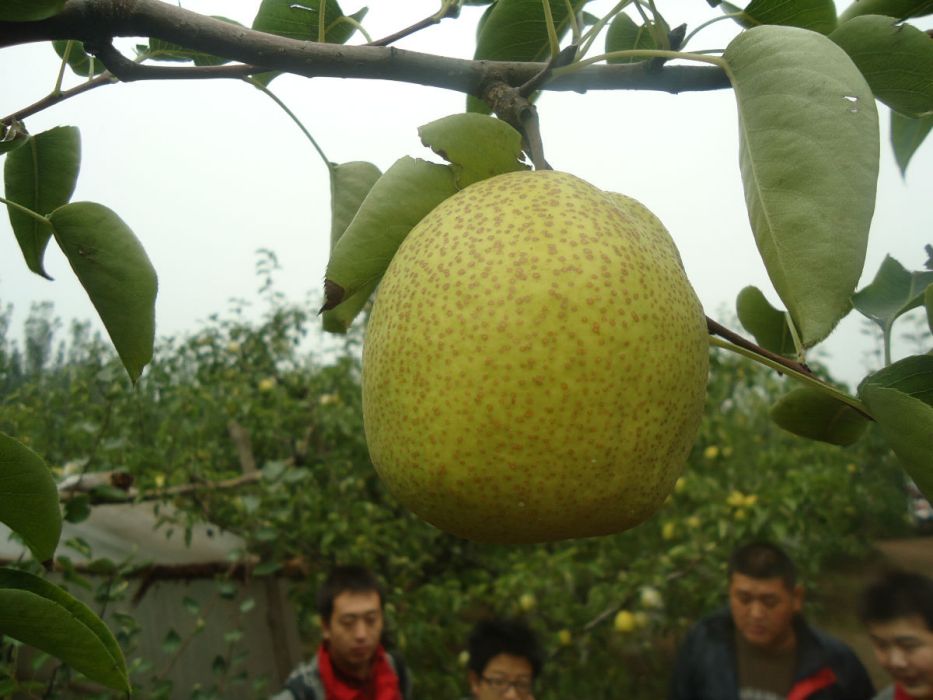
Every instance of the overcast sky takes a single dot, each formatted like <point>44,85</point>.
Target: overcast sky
<point>206,173</point>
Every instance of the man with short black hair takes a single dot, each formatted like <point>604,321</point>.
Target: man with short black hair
<point>351,663</point>
<point>760,648</point>
<point>898,612</point>
<point>505,660</point>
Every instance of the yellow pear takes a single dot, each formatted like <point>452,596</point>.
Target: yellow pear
<point>535,363</point>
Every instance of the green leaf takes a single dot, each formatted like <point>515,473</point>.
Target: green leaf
<point>808,151</point>
<point>78,508</point>
<point>42,615</point>
<point>302,20</point>
<point>349,185</point>
<point>625,35</point>
<point>171,642</point>
<point>912,376</point>
<point>816,15</point>
<point>41,175</point>
<point>928,302</point>
<point>29,10</point>
<point>892,8</point>
<point>893,292</point>
<point>767,324</point>
<point>12,136</point>
<point>339,319</point>
<point>266,568</point>
<point>477,146</point>
<point>159,50</point>
<point>895,58</point>
<point>900,397</point>
<point>516,30</point>
<point>81,62</point>
<point>29,498</point>
<point>906,136</point>
<point>400,199</point>
<point>282,15</point>
<point>114,270</point>
<point>818,416</point>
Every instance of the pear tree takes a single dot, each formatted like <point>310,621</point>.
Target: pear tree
<point>805,81</point>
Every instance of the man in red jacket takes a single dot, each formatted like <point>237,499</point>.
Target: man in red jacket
<point>351,663</point>
<point>760,648</point>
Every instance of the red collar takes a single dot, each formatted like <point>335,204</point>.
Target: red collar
<point>382,683</point>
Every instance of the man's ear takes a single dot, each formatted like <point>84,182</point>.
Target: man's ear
<point>325,628</point>
<point>474,682</point>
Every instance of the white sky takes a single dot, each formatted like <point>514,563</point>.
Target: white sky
<point>205,173</point>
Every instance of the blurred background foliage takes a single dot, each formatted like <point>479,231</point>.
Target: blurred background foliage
<point>610,610</point>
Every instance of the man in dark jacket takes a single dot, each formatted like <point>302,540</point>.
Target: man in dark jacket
<point>761,648</point>
<point>351,663</point>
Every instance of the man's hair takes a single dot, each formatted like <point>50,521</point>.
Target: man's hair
<point>898,594</point>
<point>761,559</point>
<point>343,579</point>
<point>490,638</point>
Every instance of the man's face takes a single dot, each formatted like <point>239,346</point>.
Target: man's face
<point>764,610</point>
<point>505,676</point>
<point>354,630</point>
<point>904,648</point>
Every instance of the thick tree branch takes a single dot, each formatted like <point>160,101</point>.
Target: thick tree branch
<point>98,22</point>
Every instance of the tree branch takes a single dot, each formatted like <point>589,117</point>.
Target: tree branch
<point>98,22</point>
<point>450,9</point>
<point>90,484</point>
<point>56,97</point>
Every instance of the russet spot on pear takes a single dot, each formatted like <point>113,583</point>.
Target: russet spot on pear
<point>535,363</point>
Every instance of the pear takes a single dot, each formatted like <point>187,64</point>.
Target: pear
<point>535,364</point>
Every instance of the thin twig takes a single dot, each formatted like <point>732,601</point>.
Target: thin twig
<point>734,338</point>
<point>54,98</point>
<point>450,9</point>
<point>563,58</point>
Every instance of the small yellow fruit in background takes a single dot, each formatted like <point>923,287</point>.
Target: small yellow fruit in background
<point>565,638</point>
<point>624,621</point>
<point>736,499</point>
<point>651,598</point>
<point>535,363</point>
<point>527,602</point>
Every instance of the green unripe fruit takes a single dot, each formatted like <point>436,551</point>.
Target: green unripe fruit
<point>535,363</point>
